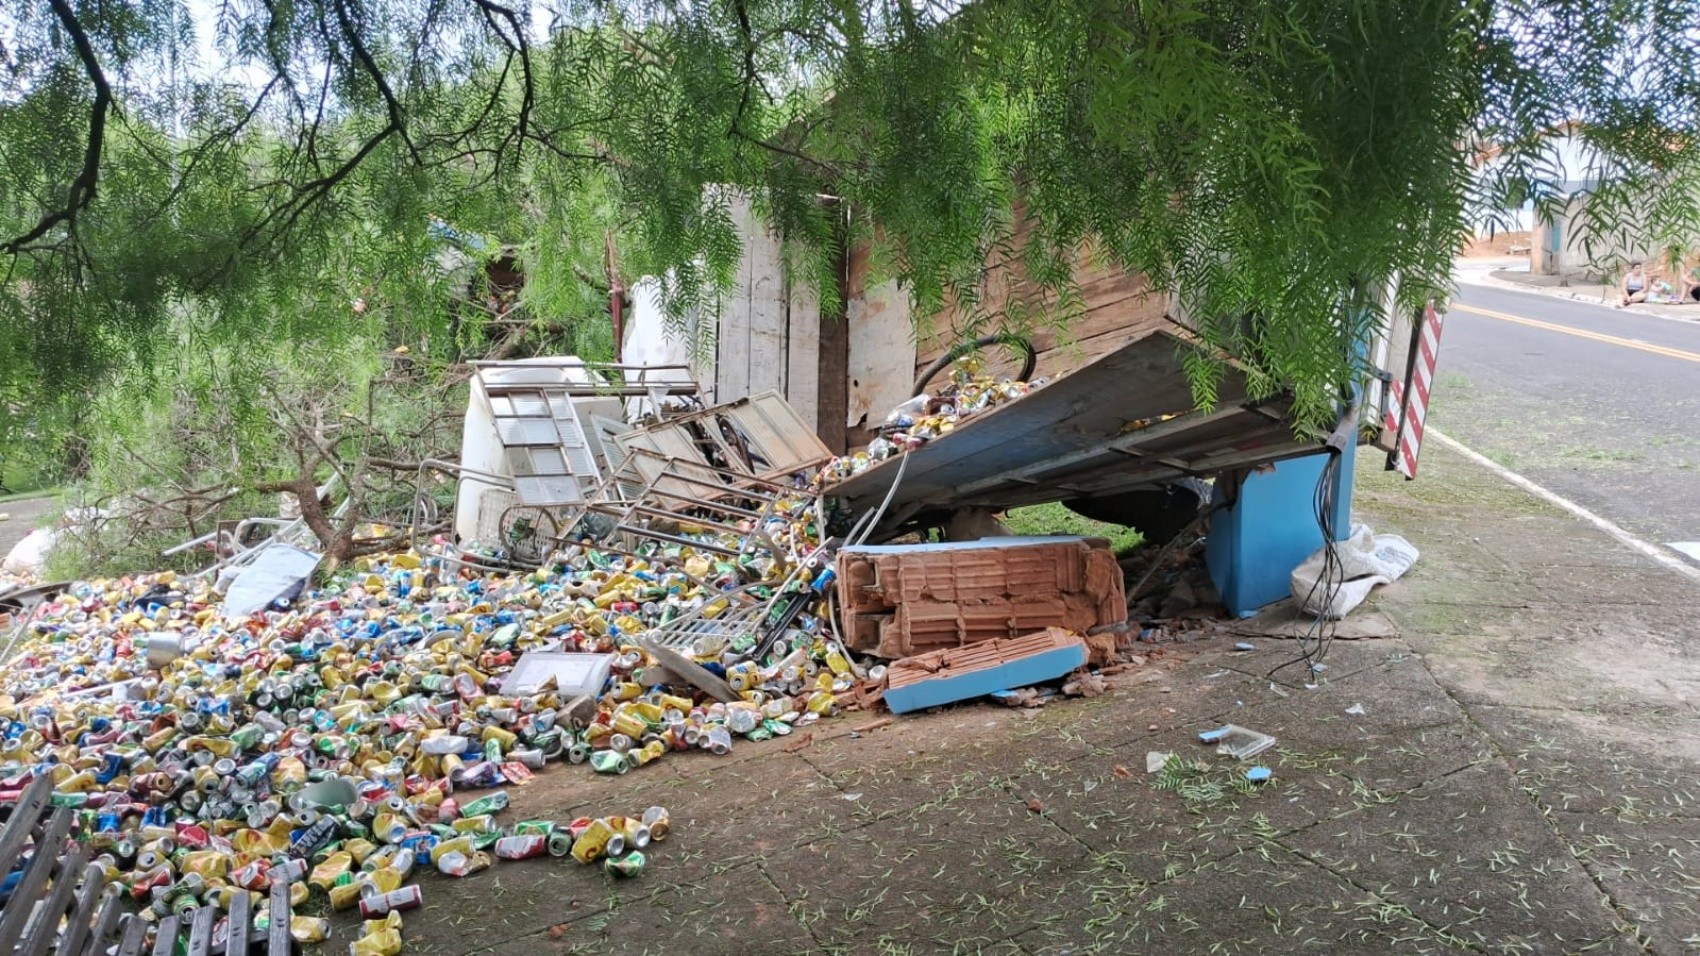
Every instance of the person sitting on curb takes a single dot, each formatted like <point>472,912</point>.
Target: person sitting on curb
<point>1634,286</point>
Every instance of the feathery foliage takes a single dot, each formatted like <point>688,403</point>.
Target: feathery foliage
<point>185,176</point>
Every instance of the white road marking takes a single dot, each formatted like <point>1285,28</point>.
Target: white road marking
<point>1623,537</point>
<point>1690,548</point>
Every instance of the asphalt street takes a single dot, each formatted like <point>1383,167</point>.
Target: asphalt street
<point>1597,404</point>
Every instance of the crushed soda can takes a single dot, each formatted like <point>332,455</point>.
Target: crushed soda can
<point>379,937</point>
<point>522,847</point>
<point>629,865</point>
<point>309,929</point>
<point>395,901</point>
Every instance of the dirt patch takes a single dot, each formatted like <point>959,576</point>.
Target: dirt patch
<point>1497,246</point>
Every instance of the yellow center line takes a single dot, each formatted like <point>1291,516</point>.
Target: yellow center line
<point>1581,333</point>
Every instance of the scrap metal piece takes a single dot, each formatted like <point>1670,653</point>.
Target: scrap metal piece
<point>279,573</point>
<point>1070,440</point>
<point>698,676</point>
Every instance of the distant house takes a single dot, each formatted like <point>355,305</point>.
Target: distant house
<point>1556,246</point>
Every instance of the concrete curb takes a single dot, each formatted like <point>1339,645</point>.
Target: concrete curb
<point>1482,279</point>
<point>1665,558</point>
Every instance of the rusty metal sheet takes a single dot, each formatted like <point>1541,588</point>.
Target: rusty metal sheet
<point>1120,423</point>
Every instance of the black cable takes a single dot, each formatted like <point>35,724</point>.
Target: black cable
<point>1029,357</point>
<point>1313,644</point>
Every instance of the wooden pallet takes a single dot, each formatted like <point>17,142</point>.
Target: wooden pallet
<point>79,913</point>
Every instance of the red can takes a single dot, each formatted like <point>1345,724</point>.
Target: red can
<point>192,836</point>
<point>397,900</point>
<point>144,885</point>
<point>525,846</point>
<point>252,876</point>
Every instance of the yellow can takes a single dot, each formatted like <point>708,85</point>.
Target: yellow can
<point>593,842</point>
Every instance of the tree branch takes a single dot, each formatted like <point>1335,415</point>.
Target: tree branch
<point>83,187</point>
<point>519,45</point>
<point>370,65</point>
<point>749,65</point>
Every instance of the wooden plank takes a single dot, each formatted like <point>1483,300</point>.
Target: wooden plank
<point>277,930</point>
<point>165,941</point>
<point>135,932</point>
<point>1062,349</point>
<point>23,820</point>
<point>240,925</point>
<point>881,345</point>
<point>201,931</point>
<point>1006,291</point>
<point>833,370</point>
<point>14,917</point>
<point>767,360</point>
<point>732,340</point>
<point>105,922</point>
<point>43,932</point>
<point>77,928</point>
<point>802,351</point>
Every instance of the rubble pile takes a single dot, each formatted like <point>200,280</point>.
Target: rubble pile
<point>219,736</point>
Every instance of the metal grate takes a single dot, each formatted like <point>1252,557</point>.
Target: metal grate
<point>547,450</point>
<point>76,912</point>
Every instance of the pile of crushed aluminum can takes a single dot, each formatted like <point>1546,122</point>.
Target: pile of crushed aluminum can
<point>929,416</point>
<point>351,736</point>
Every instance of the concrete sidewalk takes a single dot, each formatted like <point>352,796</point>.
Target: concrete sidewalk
<point>1521,779</point>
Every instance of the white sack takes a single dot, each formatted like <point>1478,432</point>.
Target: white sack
<point>1368,559</point>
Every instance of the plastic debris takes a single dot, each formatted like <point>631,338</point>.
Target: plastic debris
<point>572,674</point>
<point>1155,759</point>
<point>1356,710</point>
<point>1259,774</point>
<point>1238,742</point>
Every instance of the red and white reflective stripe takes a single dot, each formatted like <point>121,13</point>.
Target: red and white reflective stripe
<point>1415,406</point>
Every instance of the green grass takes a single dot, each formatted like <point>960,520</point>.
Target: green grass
<point>24,479</point>
<point>32,493</point>
<point>1055,519</point>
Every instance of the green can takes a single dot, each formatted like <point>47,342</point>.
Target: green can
<point>626,866</point>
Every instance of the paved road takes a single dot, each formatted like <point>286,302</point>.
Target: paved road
<point>24,514</point>
<point>1598,404</point>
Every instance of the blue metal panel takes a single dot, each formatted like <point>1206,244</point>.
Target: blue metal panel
<point>1254,545</point>
<point>978,683</point>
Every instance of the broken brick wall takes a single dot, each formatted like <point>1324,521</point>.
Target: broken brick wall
<point>901,601</point>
